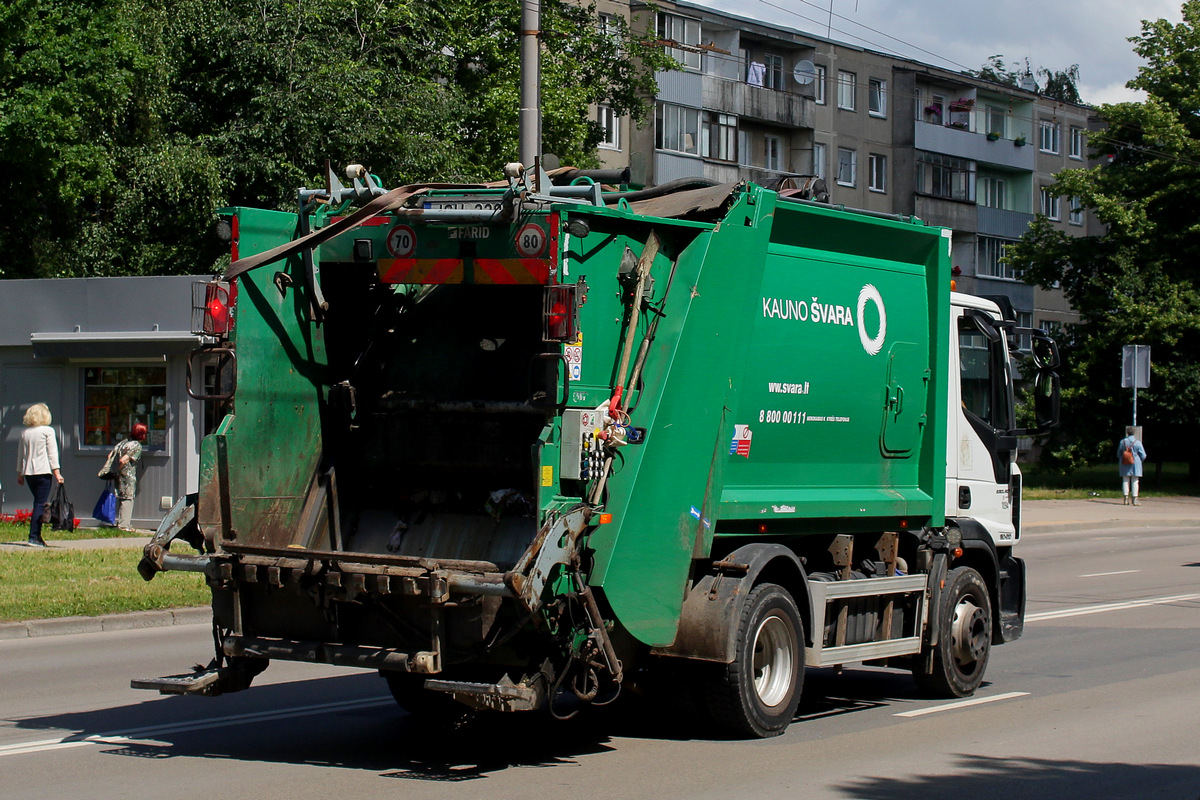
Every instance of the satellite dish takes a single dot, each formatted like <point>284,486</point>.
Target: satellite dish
<point>805,72</point>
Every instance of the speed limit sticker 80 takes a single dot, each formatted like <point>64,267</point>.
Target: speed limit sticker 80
<point>531,240</point>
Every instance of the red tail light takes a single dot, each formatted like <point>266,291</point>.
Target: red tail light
<point>559,313</point>
<point>212,308</point>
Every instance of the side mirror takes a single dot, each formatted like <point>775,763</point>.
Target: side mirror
<point>1046,399</point>
<point>212,373</point>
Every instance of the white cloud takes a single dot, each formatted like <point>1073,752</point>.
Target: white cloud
<point>1092,33</point>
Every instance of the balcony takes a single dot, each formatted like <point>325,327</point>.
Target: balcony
<point>772,106</point>
<point>935,138</point>
<point>1003,223</point>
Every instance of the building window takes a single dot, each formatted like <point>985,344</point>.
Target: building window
<point>997,121</point>
<point>946,176</point>
<point>681,30</point>
<point>877,98</point>
<point>610,123</point>
<point>1025,341</point>
<point>989,259</point>
<point>822,79</point>
<point>935,112</point>
<point>773,79</point>
<point>877,166</point>
<point>677,128</point>
<point>773,153</point>
<point>1076,143</point>
<point>1075,216</point>
<point>114,398</point>
<point>1050,205</point>
<point>847,87</point>
<point>993,192</point>
<point>847,166</point>
<point>818,167</point>
<point>1048,136</point>
<point>718,136</point>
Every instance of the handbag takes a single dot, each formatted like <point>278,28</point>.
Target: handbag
<point>112,465</point>
<point>61,509</point>
<point>106,507</point>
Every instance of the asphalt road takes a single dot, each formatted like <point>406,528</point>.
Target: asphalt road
<point>1099,699</point>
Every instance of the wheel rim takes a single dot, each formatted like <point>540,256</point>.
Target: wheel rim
<point>774,660</point>
<point>969,632</point>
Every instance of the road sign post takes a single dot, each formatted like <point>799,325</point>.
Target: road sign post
<point>1135,370</point>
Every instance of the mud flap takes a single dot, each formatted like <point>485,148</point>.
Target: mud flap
<point>1012,598</point>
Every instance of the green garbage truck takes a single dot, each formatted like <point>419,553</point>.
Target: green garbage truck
<point>519,445</point>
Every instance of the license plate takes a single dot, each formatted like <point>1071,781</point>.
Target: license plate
<point>461,203</point>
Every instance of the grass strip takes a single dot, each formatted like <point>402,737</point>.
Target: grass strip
<point>52,582</point>
<point>10,532</point>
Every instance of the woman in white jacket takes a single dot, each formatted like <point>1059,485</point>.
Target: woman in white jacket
<point>37,465</point>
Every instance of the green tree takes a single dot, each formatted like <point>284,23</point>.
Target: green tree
<point>124,125</point>
<point>1139,283</point>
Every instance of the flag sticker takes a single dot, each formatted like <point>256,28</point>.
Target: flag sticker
<point>740,446</point>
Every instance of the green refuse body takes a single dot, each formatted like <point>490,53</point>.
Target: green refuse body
<point>512,445</point>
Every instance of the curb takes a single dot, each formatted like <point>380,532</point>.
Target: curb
<point>107,622</point>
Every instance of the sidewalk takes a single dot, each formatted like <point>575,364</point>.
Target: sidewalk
<point>1041,516</point>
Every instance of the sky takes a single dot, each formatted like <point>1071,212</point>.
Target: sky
<point>963,34</point>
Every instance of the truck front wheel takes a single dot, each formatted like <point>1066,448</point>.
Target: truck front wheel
<point>964,620</point>
<point>757,694</point>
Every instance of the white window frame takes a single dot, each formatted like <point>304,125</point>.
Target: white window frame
<point>773,71</point>
<point>877,97</point>
<point>822,79</point>
<point>818,165</point>
<point>686,121</point>
<point>847,88</point>
<point>772,153</point>
<point>1074,211</point>
<point>988,254</point>
<point>1050,205</point>
<point>684,30</point>
<point>611,124</point>
<point>993,193</point>
<point>1048,133</point>
<point>1076,144</point>
<point>847,166</point>
<point>725,126</point>
<point>877,172</point>
<point>996,120</point>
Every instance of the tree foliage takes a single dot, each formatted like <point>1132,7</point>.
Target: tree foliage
<point>1139,283</point>
<point>1057,84</point>
<point>124,125</point>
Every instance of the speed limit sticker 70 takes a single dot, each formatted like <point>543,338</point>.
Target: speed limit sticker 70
<point>401,241</point>
<point>531,240</point>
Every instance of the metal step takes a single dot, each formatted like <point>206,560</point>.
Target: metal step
<point>201,682</point>
<point>503,696</point>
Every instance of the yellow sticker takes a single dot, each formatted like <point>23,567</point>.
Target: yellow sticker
<point>547,476</point>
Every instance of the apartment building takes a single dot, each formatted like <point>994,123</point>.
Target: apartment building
<point>756,101</point>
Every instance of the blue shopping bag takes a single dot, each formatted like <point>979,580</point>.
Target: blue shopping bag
<point>106,507</point>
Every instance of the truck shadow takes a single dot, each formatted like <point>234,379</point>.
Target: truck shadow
<point>351,722</point>
<point>987,777</point>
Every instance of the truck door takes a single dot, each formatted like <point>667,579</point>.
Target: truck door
<point>985,445</point>
<point>904,406</point>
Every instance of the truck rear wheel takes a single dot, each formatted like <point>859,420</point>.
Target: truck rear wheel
<point>757,694</point>
<point>964,620</point>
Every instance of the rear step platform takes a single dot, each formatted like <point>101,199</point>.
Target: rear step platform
<point>199,682</point>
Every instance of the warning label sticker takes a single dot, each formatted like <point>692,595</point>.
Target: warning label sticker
<point>740,446</point>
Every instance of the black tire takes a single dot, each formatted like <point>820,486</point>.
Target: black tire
<point>964,620</point>
<point>757,694</point>
<point>408,690</point>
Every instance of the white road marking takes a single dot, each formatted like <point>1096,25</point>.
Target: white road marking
<point>1081,611</point>
<point>1106,574</point>
<point>975,701</point>
<point>142,734</point>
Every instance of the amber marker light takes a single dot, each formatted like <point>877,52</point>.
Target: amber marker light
<point>605,519</point>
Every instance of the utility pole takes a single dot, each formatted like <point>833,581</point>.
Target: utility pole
<point>530,136</point>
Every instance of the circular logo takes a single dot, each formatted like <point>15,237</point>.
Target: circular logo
<point>870,294</point>
<point>531,240</point>
<point>401,241</point>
